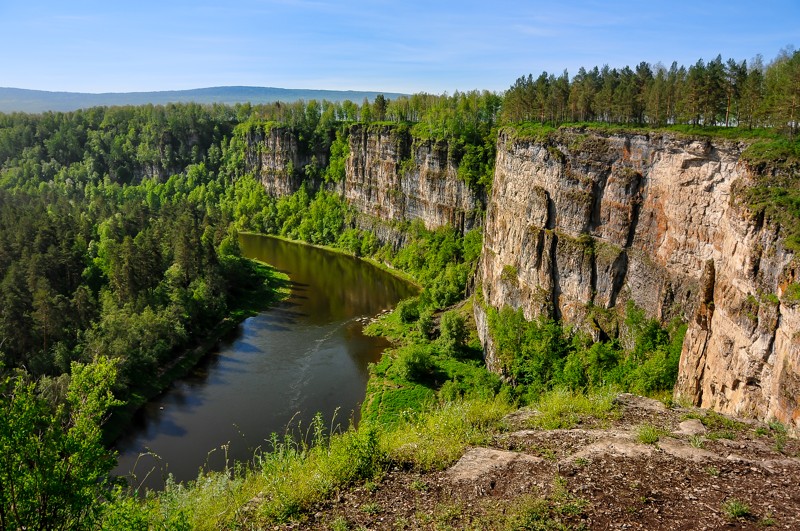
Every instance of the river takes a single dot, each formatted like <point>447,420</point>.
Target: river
<point>304,355</point>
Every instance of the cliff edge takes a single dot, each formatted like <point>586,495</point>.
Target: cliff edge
<point>581,222</point>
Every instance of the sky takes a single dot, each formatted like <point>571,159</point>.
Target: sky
<point>393,46</point>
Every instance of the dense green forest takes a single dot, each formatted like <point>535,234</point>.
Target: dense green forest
<point>119,251</point>
<point>717,92</point>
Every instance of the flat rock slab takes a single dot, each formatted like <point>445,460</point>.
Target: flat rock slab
<point>478,462</point>
<point>681,450</point>
<point>617,446</point>
<point>640,402</point>
<point>690,427</point>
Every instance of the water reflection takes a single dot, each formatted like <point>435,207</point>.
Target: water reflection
<point>306,354</point>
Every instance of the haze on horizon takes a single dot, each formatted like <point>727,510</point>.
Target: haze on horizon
<point>97,46</point>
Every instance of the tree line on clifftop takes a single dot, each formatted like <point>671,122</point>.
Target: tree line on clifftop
<point>713,93</point>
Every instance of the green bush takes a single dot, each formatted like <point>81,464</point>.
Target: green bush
<point>452,332</point>
<point>408,309</point>
<point>414,362</point>
<point>425,324</point>
<point>541,354</point>
<point>735,509</point>
<point>53,466</point>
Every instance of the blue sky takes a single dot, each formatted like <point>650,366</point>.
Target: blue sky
<point>408,46</point>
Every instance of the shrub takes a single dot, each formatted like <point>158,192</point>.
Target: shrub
<point>408,309</point>
<point>452,332</point>
<point>414,362</point>
<point>425,324</point>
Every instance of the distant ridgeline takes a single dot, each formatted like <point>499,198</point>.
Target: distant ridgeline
<point>34,101</point>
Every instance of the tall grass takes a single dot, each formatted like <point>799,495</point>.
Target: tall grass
<point>436,439</point>
<point>565,409</point>
<point>294,474</point>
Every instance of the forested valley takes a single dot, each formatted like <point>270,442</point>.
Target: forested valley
<point>119,249</point>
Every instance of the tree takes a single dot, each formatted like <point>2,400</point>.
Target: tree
<point>380,107</point>
<point>656,98</point>
<point>366,111</point>
<point>694,94</point>
<point>714,97</point>
<point>340,151</point>
<point>783,85</point>
<point>752,101</point>
<point>735,79</point>
<point>53,466</point>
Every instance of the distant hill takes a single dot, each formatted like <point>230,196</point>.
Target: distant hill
<point>35,101</point>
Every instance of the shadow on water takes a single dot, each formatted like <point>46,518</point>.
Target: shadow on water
<point>305,355</point>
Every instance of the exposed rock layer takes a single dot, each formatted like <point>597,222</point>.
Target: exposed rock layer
<point>579,223</point>
<point>277,158</point>
<point>392,177</point>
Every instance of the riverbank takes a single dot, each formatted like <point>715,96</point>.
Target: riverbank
<point>275,287</point>
<point>402,275</point>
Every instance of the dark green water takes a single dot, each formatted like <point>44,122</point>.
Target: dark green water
<point>305,355</point>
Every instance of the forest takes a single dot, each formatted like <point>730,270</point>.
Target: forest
<point>119,250</point>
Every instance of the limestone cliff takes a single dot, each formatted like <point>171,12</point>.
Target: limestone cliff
<point>277,158</point>
<point>392,177</point>
<point>580,222</point>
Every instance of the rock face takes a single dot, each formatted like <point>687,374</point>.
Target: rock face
<point>276,158</point>
<point>580,222</point>
<point>392,178</point>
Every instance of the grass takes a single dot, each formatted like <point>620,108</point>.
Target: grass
<point>447,513</point>
<point>440,373</point>
<point>294,475</point>
<point>649,434</point>
<point>436,439</point>
<point>581,462</point>
<point>340,524</point>
<point>564,409</point>
<point>696,441</point>
<point>767,521</point>
<point>735,509</point>
<point>716,421</point>
<point>776,191</point>
<point>531,512</point>
<point>779,435</point>
<point>371,508</point>
<point>721,434</point>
